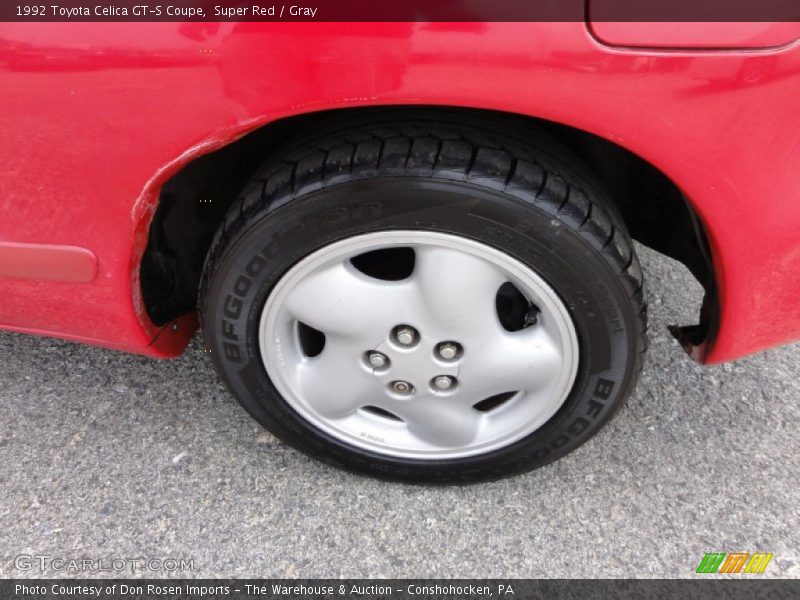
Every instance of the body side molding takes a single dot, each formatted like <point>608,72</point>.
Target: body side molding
<point>48,262</point>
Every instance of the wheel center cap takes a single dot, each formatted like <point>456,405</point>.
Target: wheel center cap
<point>417,364</point>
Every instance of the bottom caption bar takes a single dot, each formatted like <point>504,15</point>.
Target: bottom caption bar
<point>399,589</point>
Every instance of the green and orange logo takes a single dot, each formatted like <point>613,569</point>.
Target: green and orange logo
<point>734,562</point>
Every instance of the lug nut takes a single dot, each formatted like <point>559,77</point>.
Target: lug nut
<point>444,382</point>
<point>377,360</point>
<point>448,350</point>
<point>402,387</point>
<point>405,335</point>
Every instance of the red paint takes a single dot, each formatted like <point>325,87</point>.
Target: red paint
<point>96,116</point>
<point>45,261</point>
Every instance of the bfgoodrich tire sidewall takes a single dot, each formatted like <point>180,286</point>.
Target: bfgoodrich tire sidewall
<point>597,302</point>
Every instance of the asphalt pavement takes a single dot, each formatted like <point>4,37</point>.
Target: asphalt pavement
<point>106,456</point>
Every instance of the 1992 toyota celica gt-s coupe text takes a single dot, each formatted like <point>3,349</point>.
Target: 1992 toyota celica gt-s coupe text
<point>408,245</point>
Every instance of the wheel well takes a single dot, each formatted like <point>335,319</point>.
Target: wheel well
<point>193,203</point>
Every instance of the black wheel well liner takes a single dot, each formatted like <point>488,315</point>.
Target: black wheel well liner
<point>193,203</point>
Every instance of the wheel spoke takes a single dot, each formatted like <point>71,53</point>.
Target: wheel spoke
<point>341,300</point>
<point>458,291</point>
<point>526,360</point>
<point>443,422</point>
<point>334,384</point>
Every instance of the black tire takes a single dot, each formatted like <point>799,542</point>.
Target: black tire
<point>509,187</point>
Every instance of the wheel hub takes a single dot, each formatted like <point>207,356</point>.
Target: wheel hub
<point>417,364</point>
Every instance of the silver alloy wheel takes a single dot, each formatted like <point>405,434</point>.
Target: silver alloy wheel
<point>419,404</point>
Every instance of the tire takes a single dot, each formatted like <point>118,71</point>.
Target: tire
<point>507,195</point>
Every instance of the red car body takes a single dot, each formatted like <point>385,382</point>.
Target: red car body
<point>95,117</point>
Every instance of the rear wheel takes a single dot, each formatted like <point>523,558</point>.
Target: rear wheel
<point>427,303</point>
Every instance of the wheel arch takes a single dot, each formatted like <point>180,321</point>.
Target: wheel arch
<point>188,200</point>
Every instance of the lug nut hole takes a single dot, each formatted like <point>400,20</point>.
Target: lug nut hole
<point>443,383</point>
<point>405,335</point>
<point>377,360</point>
<point>403,388</point>
<point>449,351</point>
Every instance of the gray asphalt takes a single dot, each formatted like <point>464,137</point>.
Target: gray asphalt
<point>106,455</point>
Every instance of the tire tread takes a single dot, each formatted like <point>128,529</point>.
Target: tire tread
<point>546,177</point>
